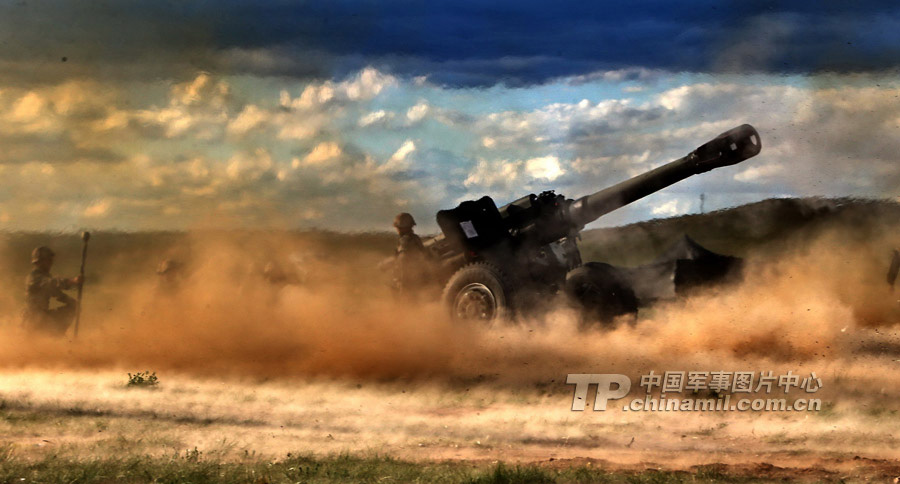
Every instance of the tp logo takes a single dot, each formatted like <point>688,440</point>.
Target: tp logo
<point>605,391</point>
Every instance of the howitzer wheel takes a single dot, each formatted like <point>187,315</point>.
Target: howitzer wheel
<point>477,292</point>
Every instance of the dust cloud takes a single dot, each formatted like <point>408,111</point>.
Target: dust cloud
<point>824,307</point>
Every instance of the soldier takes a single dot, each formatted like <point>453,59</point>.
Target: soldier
<point>170,272</point>
<point>411,265</point>
<point>41,287</point>
<point>277,275</point>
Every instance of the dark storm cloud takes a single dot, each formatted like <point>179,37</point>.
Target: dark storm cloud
<point>459,42</point>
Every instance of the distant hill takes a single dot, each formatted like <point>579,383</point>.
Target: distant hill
<point>771,225</point>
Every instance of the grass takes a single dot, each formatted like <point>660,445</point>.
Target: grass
<point>193,467</point>
<point>142,379</point>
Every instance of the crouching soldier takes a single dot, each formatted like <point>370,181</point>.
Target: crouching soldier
<point>41,288</point>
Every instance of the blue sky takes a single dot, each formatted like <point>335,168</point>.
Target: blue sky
<point>176,115</point>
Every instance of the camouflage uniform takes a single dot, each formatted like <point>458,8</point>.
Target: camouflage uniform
<point>411,267</point>
<point>41,287</point>
<point>170,272</point>
<point>411,262</point>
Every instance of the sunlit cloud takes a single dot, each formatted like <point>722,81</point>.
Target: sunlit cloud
<point>258,151</point>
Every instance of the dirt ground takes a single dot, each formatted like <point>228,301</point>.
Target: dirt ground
<point>251,368</point>
<point>78,414</point>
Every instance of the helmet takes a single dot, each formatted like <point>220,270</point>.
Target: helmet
<point>41,253</point>
<point>404,221</point>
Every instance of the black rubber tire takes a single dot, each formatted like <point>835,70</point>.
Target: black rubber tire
<point>478,284</point>
<point>602,295</point>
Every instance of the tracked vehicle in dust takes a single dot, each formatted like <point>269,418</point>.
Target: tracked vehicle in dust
<point>497,261</point>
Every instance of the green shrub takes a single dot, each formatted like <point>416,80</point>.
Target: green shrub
<point>142,379</point>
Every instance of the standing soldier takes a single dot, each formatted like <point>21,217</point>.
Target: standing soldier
<point>170,272</point>
<point>411,266</point>
<point>41,287</point>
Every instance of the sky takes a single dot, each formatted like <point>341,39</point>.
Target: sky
<point>174,115</point>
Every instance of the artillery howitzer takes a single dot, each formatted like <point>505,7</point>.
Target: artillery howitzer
<point>495,260</point>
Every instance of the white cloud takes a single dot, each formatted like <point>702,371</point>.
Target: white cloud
<point>375,117</point>
<point>186,146</point>
<point>674,99</point>
<point>98,209</point>
<point>417,112</point>
<point>631,164</point>
<point>249,166</point>
<point>757,173</point>
<point>671,208</point>
<point>500,174</point>
<point>250,118</point>
<point>545,167</point>
<point>323,152</point>
<point>197,108</point>
<point>562,122</point>
<point>399,160</point>
<point>44,111</point>
<point>28,107</point>
<point>366,85</point>
<point>313,96</point>
<point>628,74</point>
<point>506,175</point>
<point>298,130</point>
<point>175,179</point>
<point>202,90</point>
<point>405,149</point>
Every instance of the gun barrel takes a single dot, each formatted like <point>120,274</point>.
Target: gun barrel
<point>729,148</point>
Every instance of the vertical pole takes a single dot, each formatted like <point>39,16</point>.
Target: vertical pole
<point>895,268</point>
<point>85,236</point>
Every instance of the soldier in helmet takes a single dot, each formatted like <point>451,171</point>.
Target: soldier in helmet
<point>170,272</point>
<point>280,275</point>
<point>41,288</point>
<point>411,265</point>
